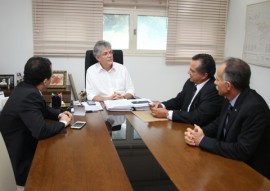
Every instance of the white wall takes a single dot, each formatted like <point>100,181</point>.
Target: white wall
<point>151,76</point>
<point>16,36</point>
<point>260,76</point>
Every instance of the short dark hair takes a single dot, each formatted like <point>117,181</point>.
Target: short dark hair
<point>208,64</point>
<point>36,70</point>
<point>99,46</point>
<point>237,72</point>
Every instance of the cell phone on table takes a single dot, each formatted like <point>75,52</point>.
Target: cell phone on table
<point>90,102</point>
<point>78,124</point>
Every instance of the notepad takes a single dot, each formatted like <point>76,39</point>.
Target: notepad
<point>146,116</point>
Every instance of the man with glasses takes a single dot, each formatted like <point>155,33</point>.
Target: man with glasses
<point>107,80</point>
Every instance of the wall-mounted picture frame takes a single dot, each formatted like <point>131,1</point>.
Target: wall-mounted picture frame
<point>6,81</point>
<point>58,79</point>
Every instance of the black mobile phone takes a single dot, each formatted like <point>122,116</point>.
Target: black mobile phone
<point>90,102</point>
<point>78,124</point>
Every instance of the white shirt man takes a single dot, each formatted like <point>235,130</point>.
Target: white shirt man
<point>107,83</point>
<point>107,80</point>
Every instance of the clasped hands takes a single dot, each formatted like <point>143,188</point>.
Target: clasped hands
<point>194,136</point>
<point>116,95</point>
<point>66,116</point>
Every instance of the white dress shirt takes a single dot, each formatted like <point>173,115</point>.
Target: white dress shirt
<point>100,82</point>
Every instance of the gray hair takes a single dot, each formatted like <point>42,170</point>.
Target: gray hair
<point>99,46</point>
<point>237,72</point>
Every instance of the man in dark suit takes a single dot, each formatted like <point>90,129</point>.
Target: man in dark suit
<point>22,121</point>
<point>242,130</point>
<point>198,102</point>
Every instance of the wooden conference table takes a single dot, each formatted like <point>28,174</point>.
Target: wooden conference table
<point>86,159</point>
<point>82,160</point>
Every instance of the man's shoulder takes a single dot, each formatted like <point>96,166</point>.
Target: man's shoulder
<point>94,67</point>
<point>252,97</point>
<point>118,65</point>
<point>24,89</point>
<point>210,84</point>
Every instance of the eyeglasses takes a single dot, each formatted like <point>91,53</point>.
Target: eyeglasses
<point>107,53</point>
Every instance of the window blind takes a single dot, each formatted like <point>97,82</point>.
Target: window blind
<point>196,26</point>
<point>138,4</point>
<point>66,27</point>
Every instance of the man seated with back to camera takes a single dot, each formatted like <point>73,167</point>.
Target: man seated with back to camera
<point>242,130</point>
<point>107,80</point>
<point>198,102</point>
<point>22,121</point>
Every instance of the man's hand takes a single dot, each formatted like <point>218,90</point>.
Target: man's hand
<point>197,135</point>
<point>155,105</point>
<point>189,139</point>
<point>159,112</point>
<point>117,95</point>
<point>68,114</point>
<point>194,136</point>
<point>66,118</point>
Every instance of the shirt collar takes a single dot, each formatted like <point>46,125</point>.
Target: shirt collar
<point>200,86</point>
<point>232,102</point>
<point>99,67</point>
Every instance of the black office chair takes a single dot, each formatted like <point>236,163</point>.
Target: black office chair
<point>90,59</point>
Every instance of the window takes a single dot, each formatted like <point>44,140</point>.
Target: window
<point>137,27</point>
<point>151,32</point>
<point>179,28</point>
<point>196,27</point>
<point>116,30</point>
<point>135,31</point>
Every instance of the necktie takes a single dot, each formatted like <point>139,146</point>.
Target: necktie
<point>229,111</point>
<point>193,91</point>
<point>191,96</point>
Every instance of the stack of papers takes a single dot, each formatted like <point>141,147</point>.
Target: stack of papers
<point>118,105</point>
<point>127,104</point>
<point>141,104</point>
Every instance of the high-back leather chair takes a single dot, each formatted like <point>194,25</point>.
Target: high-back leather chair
<point>7,178</point>
<point>90,59</point>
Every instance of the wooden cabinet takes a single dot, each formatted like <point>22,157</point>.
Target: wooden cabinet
<point>66,93</point>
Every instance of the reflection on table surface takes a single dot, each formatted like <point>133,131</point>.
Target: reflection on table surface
<point>143,171</point>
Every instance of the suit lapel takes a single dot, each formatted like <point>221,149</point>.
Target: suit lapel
<point>188,96</point>
<point>197,97</point>
<point>236,110</point>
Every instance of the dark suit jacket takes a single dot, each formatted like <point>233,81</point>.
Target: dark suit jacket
<point>22,124</point>
<point>204,108</point>
<point>248,136</point>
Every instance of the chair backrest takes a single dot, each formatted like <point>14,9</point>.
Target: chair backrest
<point>7,178</point>
<point>90,59</point>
